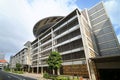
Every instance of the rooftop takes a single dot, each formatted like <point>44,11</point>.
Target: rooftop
<point>3,61</point>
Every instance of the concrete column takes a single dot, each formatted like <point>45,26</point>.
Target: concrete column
<point>38,56</point>
<point>37,69</point>
<point>28,68</point>
<point>92,70</point>
<point>32,69</point>
<point>42,70</point>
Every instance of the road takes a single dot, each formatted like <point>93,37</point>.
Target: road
<point>10,76</point>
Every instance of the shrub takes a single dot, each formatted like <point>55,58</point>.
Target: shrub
<point>63,78</point>
<point>7,69</point>
<point>20,72</point>
<point>46,75</point>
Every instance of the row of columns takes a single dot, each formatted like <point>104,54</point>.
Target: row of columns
<point>39,49</point>
<point>37,70</point>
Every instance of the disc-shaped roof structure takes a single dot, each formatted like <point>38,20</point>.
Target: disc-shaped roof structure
<point>44,24</point>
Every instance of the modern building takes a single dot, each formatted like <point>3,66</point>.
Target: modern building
<point>85,39</point>
<point>3,63</point>
<point>22,57</point>
<point>80,37</point>
<point>12,63</point>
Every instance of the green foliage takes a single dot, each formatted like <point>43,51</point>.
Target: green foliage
<point>6,68</point>
<point>18,66</point>
<point>18,72</point>
<point>62,78</point>
<point>46,75</point>
<point>54,60</point>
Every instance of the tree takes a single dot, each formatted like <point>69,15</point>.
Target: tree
<point>54,61</point>
<point>7,67</point>
<point>18,66</point>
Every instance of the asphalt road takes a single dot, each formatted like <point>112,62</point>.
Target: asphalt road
<point>10,76</point>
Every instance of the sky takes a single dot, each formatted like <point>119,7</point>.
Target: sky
<point>17,18</point>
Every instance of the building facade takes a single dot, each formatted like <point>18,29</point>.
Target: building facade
<point>3,64</point>
<point>22,57</point>
<point>81,37</point>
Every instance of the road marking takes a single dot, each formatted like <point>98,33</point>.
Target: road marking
<point>15,76</point>
<point>9,77</point>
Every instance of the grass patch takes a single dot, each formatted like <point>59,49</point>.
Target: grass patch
<point>60,77</point>
<point>18,72</point>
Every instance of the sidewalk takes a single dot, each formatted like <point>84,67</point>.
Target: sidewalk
<point>40,77</point>
<point>31,75</point>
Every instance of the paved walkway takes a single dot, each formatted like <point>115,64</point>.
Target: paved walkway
<point>32,75</point>
<point>40,77</point>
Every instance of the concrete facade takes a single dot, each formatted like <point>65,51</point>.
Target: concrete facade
<point>22,57</point>
<point>3,63</point>
<point>79,36</point>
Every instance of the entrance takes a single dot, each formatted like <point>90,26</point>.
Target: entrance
<point>109,74</point>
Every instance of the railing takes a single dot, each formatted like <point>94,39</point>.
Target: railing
<point>68,31</point>
<point>65,23</point>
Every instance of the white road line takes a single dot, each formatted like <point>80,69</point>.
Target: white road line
<point>15,76</point>
<point>9,77</point>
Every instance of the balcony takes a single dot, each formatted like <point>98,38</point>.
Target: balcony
<point>47,42</point>
<point>73,60</point>
<point>69,36</point>
<point>46,46</point>
<point>46,39</point>
<point>65,23</point>
<point>73,56</point>
<point>68,41</point>
<point>46,53</point>
<point>43,62</point>
<point>67,32</point>
<point>73,45</point>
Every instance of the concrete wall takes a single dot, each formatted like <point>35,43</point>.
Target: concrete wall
<point>106,39</point>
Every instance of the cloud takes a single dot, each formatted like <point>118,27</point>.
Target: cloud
<point>112,7</point>
<point>14,25</point>
<point>17,18</point>
<point>45,8</point>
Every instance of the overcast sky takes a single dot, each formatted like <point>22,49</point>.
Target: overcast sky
<point>17,18</point>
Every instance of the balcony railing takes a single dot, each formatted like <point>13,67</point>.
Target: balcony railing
<point>67,32</point>
<point>65,23</point>
<point>68,41</point>
<point>72,60</point>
